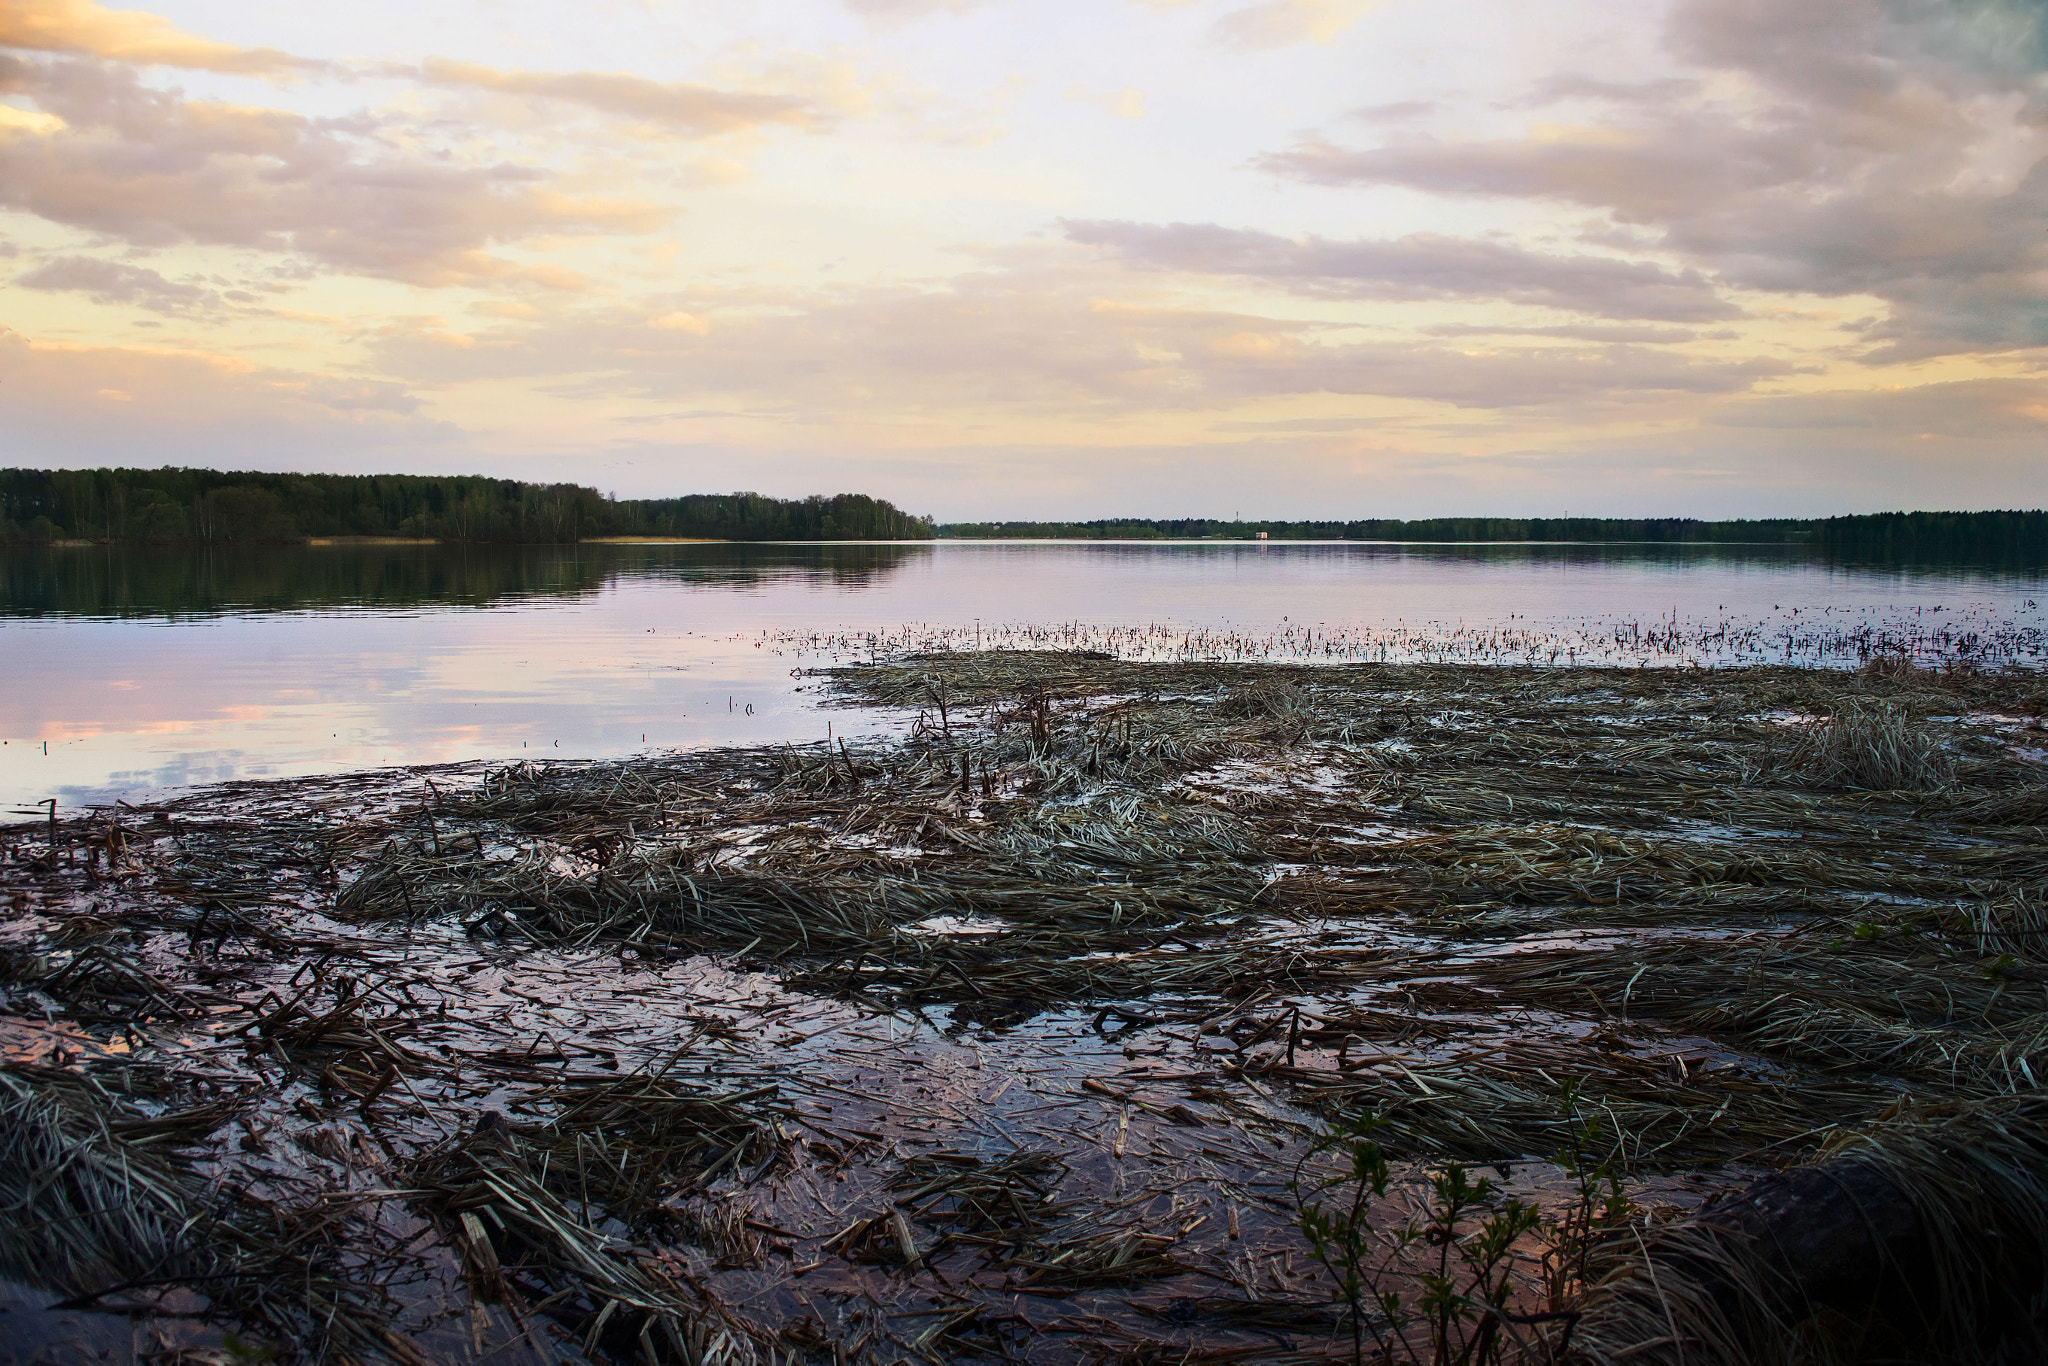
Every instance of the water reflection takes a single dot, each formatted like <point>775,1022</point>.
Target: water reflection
<point>1635,557</point>
<point>199,581</point>
<point>131,669</point>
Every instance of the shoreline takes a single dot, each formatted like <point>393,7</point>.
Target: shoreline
<point>929,1016</point>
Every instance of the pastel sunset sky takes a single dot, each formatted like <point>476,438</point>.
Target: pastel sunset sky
<point>1289,258</point>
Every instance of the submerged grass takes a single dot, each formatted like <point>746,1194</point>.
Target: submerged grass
<point>990,1041</point>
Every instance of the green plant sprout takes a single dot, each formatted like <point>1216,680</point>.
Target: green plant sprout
<point>1467,1233</point>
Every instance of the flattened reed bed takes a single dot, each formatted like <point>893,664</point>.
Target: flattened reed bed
<point>521,1240</point>
<point>87,1203</point>
<point>1945,1205</point>
<point>104,1203</point>
<point>760,1055</point>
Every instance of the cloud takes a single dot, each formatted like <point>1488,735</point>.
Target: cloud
<point>80,26</point>
<point>1420,266</point>
<point>1574,86</point>
<point>1025,347</point>
<point>896,13</point>
<point>110,282</point>
<point>1581,380</point>
<point>1283,23</point>
<point>152,168</point>
<point>1645,176</point>
<point>1124,104</point>
<point>1978,409</point>
<point>680,321</point>
<point>1844,147</point>
<point>71,406</point>
<point>1396,112</point>
<point>1592,332</point>
<point>697,109</point>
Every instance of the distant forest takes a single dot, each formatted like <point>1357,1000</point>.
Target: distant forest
<point>1989,538</point>
<point>213,506</point>
<point>1674,529</point>
<point>188,505</point>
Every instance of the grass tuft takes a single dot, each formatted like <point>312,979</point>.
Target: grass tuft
<point>1874,746</point>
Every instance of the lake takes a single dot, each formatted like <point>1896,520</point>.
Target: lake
<point>131,670</point>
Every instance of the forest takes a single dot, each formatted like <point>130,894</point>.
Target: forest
<point>174,504</point>
<point>1652,529</point>
<point>207,506</point>
<point>2008,539</point>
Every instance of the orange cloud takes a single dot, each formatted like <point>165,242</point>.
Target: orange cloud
<point>1034,346</point>
<point>131,36</point>
<point>1281,23</point>
<point>154,169</point>
<point>698,109</point>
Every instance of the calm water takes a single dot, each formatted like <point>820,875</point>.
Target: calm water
<point>130,671</point>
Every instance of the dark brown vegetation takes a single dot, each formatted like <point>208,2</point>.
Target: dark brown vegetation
<point>1017,1036</point>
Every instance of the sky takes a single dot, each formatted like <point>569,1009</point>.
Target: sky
<point>1072,258</point>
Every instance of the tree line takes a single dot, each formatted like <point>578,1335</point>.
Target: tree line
<point>1651,529</point>
<point>2005,539</point>
<point>194,505</point>
<point>2001,538</point>
<point>176,504</point>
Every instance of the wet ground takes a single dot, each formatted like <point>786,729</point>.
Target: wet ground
<point>1007,1039</point>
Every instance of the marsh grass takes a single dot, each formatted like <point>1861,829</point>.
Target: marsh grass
<point>522,1243</point>
<point>1947,1206</point>
<point>103,1206</point>
<point>2014,925</point>
<point>1230,905</point>
<point>89,1209</point>
<point>1876,746</point>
